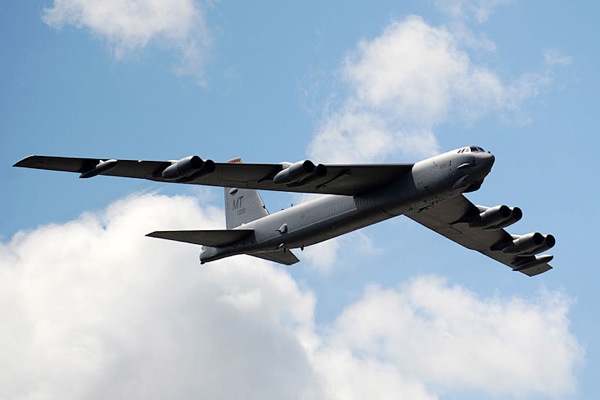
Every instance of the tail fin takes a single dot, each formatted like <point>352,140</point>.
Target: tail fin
<point>242,205</point>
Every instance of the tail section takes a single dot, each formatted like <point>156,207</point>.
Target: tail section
<point>242,205</point>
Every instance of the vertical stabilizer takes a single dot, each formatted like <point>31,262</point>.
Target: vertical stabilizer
<point>242,205</point>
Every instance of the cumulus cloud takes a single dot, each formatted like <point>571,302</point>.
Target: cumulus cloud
<point>403,84</point>
<point>132,25</point>
<point>322,256</point>
<point>94,309</point>
<point>452,338</point>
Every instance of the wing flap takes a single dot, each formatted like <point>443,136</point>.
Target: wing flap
<point>447,218</point>
<point>212,238</point>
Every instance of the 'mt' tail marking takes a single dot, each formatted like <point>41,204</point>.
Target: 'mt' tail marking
<point>242,205</point>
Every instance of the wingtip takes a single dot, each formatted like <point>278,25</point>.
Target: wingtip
<point>23,162</point>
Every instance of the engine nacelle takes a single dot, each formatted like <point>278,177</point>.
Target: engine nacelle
<point>101,167</point>
<point>530,244</point>
<point>296,172</point>
<point>549,242</point>
<point>496,217</point>
<point>186,167</point>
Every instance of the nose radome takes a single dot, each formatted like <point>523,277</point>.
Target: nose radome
<point>486,159</point>
<point>485,162</point>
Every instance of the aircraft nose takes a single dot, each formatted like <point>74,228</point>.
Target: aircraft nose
<point>488,158</point>
<point>474,171</point>
<point>484,161</point>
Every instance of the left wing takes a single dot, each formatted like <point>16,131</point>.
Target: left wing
<point>481,229</point>
<point>303,176</point>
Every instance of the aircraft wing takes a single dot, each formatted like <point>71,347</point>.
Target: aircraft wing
<point>303,177</point>
<point>451,219</point>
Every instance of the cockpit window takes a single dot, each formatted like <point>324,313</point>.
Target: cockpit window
<point>471,149</point>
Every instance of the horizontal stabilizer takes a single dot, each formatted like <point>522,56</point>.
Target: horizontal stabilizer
<point>212,238</point>
<point>279,256</point>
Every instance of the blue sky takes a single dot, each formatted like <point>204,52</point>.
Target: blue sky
<point>392,309</point>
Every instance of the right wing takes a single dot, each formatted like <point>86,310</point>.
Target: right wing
<point>350,179</point>
<point>453,218</point>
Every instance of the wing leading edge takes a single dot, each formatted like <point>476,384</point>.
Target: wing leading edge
<point>457,219</point>
<point>302,177</point>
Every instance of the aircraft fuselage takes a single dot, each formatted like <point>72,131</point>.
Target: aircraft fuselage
<point>430,181</point>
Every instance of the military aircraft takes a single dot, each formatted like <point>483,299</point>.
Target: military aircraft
<point>429,192</point>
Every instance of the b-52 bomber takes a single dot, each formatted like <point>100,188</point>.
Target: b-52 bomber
<point>430,192</point>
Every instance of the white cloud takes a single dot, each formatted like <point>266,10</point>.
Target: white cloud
<point>450,338</point>
<point>405,83</point>
<point>93,309</point>
<point>554,57</point>
<point>480,10</point>
<point>132,25</point>
<point>322,256</point>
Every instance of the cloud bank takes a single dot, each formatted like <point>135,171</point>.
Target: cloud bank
<point>406,82</point>
<point>129,26</point>
<point>92,309</point>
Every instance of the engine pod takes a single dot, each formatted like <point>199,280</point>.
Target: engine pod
<point>496,217</point>
<point>529,244</point>
<point>299,171</point>
<point>187,167</point>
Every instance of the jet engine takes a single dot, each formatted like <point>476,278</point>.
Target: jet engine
<point>101,167</point>
<point>294,173</point>
<point>496,217</point>
<point>186,167</point>
<point>530,244</point>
